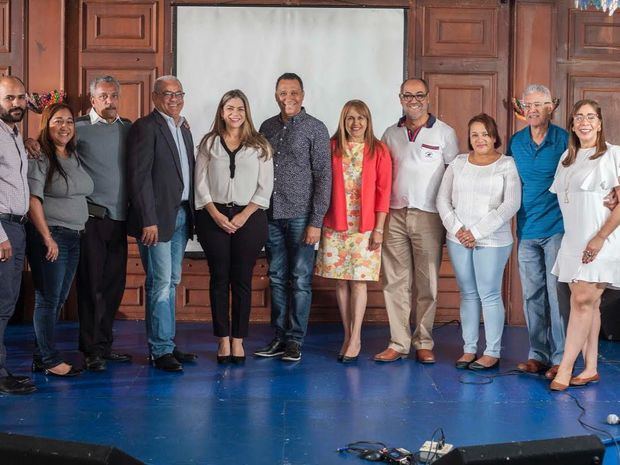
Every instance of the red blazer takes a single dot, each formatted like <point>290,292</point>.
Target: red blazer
<point>375,194</point>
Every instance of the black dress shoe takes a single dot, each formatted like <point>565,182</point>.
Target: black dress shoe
<point>69,374</point>
<point>167,362</point>
<point>20,379</point>
<point>95,363</point>
<point>184,357</point>
<point>115,357</point>
<point>9,385</point>
<point>224,359</point>
<point>273,349</point>
<point>292,353</point>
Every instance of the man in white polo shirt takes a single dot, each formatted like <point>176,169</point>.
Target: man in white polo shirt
<point>421,147</point>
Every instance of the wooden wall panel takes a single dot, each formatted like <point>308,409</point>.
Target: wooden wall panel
<point>5,26</point>
<point>457,97</point>
<point>460,32</point>
<point>593,35</point>
<point>606,91</point>
<point>130,28</point>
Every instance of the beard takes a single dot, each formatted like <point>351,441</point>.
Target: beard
<point>14,115</point>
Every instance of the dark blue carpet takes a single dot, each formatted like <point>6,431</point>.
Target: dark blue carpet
<point>271,412</point>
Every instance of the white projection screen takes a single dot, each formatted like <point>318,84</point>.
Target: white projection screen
<point>340,53</point>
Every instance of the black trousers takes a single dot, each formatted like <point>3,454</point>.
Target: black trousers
<point>100,283</point>
<point>231,259</point>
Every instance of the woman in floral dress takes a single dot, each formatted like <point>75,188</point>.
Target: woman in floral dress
<point>350,247</point>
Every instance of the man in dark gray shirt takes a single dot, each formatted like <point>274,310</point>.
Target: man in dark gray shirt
<point>14,200</point>
<point>300,199</point>
<point>101,141</point>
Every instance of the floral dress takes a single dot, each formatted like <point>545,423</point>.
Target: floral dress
<point>345,254</point>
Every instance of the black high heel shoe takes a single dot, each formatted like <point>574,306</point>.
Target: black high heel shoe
<point>346,359</point>
<point>223,359</point>
<point>238,359</point>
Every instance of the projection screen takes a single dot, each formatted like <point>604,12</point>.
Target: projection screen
<point>340,53</point>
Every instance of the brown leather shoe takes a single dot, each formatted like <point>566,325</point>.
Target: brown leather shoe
<point>551,372</point>
<point>557,386</point>
<point>533,366</point>
<point>425,356</point>
<point>577,381</point>
<point>389,355</point>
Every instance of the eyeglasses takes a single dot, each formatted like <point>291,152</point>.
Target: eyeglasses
<point>409,97</point>
<point>103,97</point>
<point>591,117</point>
<point>169,95</point>
<point>535,105</point>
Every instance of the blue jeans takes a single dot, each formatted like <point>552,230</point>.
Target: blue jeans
<point>162,265</point>
<point>291,262</point>
<point>479,273</point>
<point>52,282</point>
<point>11,279</point>
<point>546,320</point>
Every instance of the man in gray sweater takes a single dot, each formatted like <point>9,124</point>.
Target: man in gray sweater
<point>101,138</point>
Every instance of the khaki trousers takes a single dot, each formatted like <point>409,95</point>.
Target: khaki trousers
<point>411,255</point>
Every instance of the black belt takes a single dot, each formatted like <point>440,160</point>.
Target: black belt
<point>20,219</point>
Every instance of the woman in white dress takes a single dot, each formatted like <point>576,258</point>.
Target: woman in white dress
<point>589,257</point>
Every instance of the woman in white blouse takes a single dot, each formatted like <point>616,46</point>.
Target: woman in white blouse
<point>479,194</point>
<point>233,184</point>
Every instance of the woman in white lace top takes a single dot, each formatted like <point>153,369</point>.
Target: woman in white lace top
<point>479,194</point>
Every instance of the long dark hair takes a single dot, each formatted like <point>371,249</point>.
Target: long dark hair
<point>574,143</point>
<point>250,137</point>
<point>47,144</point>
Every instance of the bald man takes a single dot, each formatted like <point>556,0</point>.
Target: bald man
<point>14,200</point>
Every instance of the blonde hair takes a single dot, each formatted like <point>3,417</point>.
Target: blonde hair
<point>341,136</point>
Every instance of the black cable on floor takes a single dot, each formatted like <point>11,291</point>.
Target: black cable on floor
<point>488,378</point>
<point>588,426</point>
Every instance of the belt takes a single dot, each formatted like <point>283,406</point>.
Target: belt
<point>230,205</point>
<point>20,219</point>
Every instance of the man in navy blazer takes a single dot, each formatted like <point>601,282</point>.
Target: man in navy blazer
<point>160,171</point>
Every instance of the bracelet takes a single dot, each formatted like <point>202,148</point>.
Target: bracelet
<point>380,231</point>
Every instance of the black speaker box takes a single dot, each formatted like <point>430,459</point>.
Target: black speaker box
<point>578,450</point>
<point>29,450</point>
<point>610,315</point>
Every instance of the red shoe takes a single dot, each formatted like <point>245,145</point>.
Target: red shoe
<point>551,372</point>
<point>425,356</point>
<point>532,366</point>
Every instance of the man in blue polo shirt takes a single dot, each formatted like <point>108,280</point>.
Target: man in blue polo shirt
<point>537,150</point>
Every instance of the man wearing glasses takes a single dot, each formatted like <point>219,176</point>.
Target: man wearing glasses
<point>537,150</point>
<point>421,146</point>
<point>160,171</point>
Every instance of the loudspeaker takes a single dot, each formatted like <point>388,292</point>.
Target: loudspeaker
<point>578,450</point>
<point>29,450</point>
<point>610,315</point>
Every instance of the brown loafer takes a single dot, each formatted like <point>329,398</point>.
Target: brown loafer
<point>532,366</point>
<point>556,386</point>
<point>389,355</point>
<point>551,372</point>
<point>425,356</point>
<point>577,381</point>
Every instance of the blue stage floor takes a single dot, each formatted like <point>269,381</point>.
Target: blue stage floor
<point>270,412</point>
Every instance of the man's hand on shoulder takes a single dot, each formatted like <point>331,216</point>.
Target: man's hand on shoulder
<point>33,148</point>
<point>611,200</point>
<point>6,251</point>
<point>150,235</point>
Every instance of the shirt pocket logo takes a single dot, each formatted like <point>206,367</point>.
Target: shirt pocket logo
<point>430,152</point>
